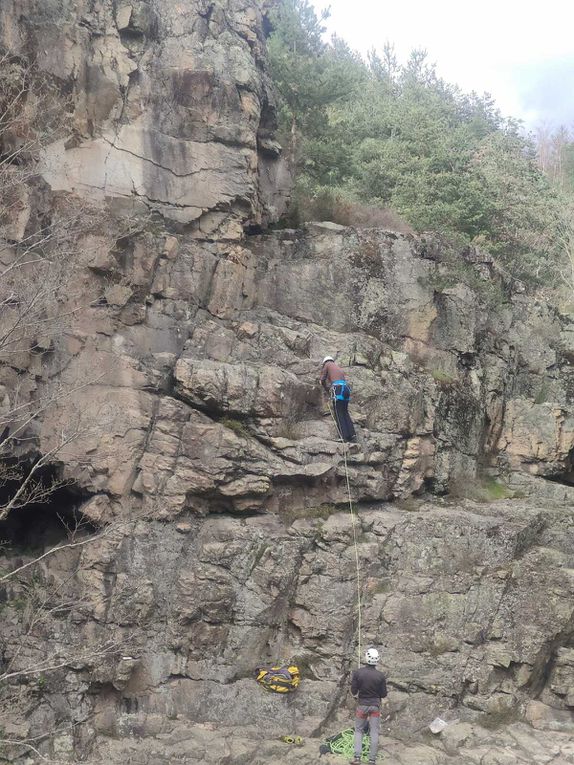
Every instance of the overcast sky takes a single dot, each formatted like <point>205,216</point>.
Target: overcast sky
<point>520,52</point>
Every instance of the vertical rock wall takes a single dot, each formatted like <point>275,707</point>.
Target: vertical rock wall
<point>171,106</point>
<point>208,464</point>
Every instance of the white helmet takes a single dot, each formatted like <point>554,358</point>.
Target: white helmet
<point>328,358</point>
<point>371,656</point>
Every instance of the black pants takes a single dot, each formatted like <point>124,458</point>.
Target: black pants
<point>344,422</point>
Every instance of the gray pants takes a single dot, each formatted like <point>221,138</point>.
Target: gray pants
<point>373,715</point>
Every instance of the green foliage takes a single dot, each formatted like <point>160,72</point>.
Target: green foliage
<point>455,269</point>
<point>319,511</point>
<point>481,490</point>
<point>442,378</point>
<point>495,490</point>
<point>395,136</point>
<point>555,154</point>
<point>236,426</point>
<point>339,206</point>
<point>310,76</point>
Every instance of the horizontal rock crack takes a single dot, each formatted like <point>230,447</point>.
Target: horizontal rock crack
<point>156,164</point>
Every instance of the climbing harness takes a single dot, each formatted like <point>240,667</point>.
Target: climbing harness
<point>343,743</point>
<point>351,510</point>
<point>280,678</point>
<point>340,390</point>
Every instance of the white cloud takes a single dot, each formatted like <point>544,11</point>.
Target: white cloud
<point>497,46</point>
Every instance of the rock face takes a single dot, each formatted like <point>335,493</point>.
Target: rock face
<point>172,108</point>
<point>470,603</point>
<point>231,544</point>
<point>207,477</point>
<point>210,386</point>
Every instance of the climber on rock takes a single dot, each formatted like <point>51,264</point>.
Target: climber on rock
<point>335,383</point>
<point>369,686</point>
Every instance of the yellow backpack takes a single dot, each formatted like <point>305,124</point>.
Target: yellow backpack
<point>280,678</point>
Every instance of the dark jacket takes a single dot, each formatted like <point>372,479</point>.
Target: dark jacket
<point>330,373</point>
<point>370,685</point>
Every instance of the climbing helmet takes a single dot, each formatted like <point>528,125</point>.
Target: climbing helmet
<point>371,656</point>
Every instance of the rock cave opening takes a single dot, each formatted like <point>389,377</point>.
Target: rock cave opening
<point>46,521</point>
<point>253,229</point>
<point>565,476</point>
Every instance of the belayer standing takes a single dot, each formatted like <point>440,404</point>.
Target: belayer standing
<point>369,686</point>
<point>334,381</point>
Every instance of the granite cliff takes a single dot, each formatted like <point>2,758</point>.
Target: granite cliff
<point>206,501</point>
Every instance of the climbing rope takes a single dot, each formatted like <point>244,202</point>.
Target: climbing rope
<point>343,744</point>
<point>354,526</point>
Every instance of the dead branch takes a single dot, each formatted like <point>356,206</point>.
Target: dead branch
<point>106,531</point>
<point>86,657</point>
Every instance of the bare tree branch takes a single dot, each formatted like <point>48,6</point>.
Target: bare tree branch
<point>105,532</point>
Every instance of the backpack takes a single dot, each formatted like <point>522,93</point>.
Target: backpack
<point>279,679</point>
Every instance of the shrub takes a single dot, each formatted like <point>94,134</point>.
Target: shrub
<point>480,490</point>
<point>327,204</point>
<point>238,427</point>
